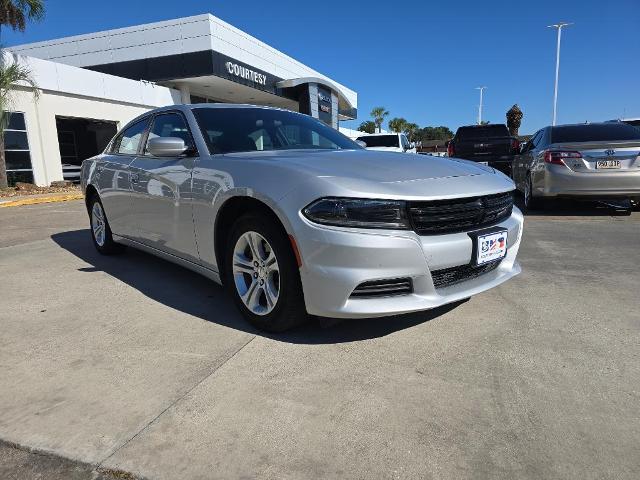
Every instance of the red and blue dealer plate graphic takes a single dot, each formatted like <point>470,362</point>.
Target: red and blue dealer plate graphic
<point>491,246</point>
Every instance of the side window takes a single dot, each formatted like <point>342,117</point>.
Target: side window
<point>405,142</point>
<point>535,140</point>
<point>171,125</point>
<point>129,140</point>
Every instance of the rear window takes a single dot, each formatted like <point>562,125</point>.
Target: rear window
<point>484,131</point>
<point>596,132</point>
<point>380,140</point>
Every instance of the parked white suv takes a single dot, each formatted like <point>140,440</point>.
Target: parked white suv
<point>388,142</point>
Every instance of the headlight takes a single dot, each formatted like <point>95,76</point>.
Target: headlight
<point>360,213</point>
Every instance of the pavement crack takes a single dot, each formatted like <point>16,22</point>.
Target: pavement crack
<point>154,419</point>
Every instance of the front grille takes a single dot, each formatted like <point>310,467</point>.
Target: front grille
<point>383,288</point>
<point>451,276</point>
<point>459,214</point>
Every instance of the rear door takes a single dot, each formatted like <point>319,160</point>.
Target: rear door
<point>162,191</point>
<point>113,176</point>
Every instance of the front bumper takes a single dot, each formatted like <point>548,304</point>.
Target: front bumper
<point>337,260</point>
<point>560,181</point>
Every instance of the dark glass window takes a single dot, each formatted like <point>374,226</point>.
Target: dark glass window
<point>14,140</point>
<point>482,131</point>
<point>249,129</point>
<point>380,140</point>
<point>129,140</point>
<point>16,149</point>
<point>595,132</point>
<point>16,121</point>
<point>18,160</point>
<point>171,125</point>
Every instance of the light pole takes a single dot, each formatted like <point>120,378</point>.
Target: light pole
<point>480,106</point>
<point>557,26</point>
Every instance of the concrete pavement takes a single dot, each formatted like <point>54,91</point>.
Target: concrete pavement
<point>134,364</point>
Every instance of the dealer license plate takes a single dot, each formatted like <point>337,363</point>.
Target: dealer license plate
<point>608,164</point>
<point>490,247</point>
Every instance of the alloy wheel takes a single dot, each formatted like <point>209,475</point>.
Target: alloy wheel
<point>256,273</point>
<point>98,224</point>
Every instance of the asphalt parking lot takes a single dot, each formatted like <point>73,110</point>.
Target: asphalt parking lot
<point>131,363</point>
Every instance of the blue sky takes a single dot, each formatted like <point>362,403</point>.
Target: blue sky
<point>420,59</point>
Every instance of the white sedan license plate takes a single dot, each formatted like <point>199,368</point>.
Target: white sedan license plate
<point>608,164</point>
<point>491,246</point>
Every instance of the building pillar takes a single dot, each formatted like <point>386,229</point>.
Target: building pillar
<point>185,93</point>
<point>334,110</point>
<point>313,100</point>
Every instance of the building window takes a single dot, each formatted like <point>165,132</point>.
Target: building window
<point>16,150</point>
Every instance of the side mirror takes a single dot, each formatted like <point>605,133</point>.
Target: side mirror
<point>361,143</point>
<point>524,147</point>
<point>166,146</point>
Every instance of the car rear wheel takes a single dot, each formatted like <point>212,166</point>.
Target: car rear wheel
<point>530,202</point>
<point>261,274</point>
<point>100,230</point>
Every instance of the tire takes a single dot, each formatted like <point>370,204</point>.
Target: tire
<point>529,201</point>
<point>100,230</point>
<point>261,274</point>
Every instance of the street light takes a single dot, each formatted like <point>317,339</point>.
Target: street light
<point>557,26</point>
<point>480,106</point>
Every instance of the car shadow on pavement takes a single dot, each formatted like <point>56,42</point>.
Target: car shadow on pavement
<point>577,208</point>
<point>191,293</point>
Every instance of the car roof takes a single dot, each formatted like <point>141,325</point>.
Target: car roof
<point>364,134</point>
<point>485,125</point>
<point>191,106</point>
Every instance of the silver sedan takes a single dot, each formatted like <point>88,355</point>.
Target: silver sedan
<point>295,219</point>
<point>585,161</point>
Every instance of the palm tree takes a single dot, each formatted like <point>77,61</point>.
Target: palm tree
<point>514,119</point>
<point>10,74</point>
<point>397,124</point>
<point>410,129</point>
<point>14,14</point>
<point>378,114</point>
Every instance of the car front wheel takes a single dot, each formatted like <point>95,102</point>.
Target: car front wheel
<point>261,274</point>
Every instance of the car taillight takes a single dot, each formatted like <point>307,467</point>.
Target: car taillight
<point>451,151</point>
<point>515,145</point>
<point>557,157</point>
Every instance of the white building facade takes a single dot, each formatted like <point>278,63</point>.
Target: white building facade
<point>91,85</point>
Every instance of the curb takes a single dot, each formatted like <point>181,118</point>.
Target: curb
<point>45,199</point>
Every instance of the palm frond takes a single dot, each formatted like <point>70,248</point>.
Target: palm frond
<point>15,13</point>
<point>12,74</point>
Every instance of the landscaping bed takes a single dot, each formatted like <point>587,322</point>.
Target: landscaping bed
<point>21,189</point>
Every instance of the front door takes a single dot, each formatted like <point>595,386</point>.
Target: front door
<point>162,192</point>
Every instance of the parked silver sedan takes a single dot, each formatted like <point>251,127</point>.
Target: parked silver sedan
<point>294,218</point>
<point>588,161</point>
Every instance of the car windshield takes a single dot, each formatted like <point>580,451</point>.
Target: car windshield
<point>228,130</point>
<point>485,131</point>
<point>380,140</point>
<point>596,132</point>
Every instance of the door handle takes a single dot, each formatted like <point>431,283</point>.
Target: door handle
<point>134,178</point>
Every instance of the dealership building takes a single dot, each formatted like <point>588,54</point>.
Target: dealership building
<point>91,85</point>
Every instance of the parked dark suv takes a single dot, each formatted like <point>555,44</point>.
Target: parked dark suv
<point>488,144</point>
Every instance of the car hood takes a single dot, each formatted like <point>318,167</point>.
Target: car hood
<point>386,174</point>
